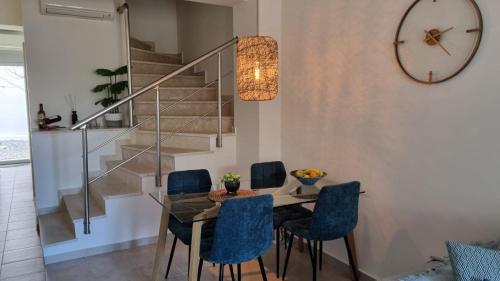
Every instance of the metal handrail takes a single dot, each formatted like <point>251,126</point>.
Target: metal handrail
<point>169,135</point>
<point>154,84</point>
<point>83,125</point>
<point>175,103</point>
<point>123,9</point>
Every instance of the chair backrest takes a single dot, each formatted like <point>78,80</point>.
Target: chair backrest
<point>336,211</point>
<point>190,181</point>
<point>244,230</point>
<point>267,174</point>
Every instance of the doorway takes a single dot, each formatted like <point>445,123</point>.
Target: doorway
<point>14,129</point>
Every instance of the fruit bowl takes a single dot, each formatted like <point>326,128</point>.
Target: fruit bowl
<point>308,176</point>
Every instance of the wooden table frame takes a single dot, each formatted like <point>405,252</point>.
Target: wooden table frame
<point>161,256</point>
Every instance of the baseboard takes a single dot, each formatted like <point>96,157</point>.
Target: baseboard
<point>13,163</point>
<point>100,250</point>
<point>364,275</point>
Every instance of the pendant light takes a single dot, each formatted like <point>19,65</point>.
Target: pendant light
<point>257,68</point>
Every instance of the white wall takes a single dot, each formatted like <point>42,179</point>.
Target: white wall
<point>427,155</point>
<point>258,124</point>
<point>246,114</point>
<point>201,28</point>
<point>156,21</point>
<point>270,111</point>
<point>57,161</point>
<point>62,53</point>
<point>10,12</point>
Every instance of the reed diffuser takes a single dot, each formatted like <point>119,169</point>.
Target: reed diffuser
<point>71,100</point>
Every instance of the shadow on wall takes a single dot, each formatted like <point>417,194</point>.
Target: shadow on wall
<point>400,259</point>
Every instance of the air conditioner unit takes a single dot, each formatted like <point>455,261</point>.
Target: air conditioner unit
<point>89,9</point>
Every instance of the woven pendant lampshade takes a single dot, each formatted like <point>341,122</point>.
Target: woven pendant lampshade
<point>257,68</point>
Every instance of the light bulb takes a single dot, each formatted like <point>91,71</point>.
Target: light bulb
<point>257,71</point>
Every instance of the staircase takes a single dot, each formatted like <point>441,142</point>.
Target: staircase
<point>122,213</point>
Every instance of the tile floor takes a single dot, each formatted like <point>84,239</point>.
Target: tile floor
<point>21,254</point>
<point>20,250</point>
<point>136,264</point>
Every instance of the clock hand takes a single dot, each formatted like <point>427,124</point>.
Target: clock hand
<point>439,33</point>
<point>437,42</point>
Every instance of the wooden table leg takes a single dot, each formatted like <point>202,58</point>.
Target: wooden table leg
<point>160,264</point>
<point>195,251</point>
<point>300,244</point>
<point>352,246</point>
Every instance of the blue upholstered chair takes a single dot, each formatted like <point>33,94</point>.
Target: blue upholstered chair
<point>243,232</point>
<point>273,174</point>
<point>191,181</point>
<point>335,216</point>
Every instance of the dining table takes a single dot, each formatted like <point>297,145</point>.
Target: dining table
<point>198,209</point>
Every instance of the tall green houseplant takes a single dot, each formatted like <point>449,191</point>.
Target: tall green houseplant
<point>112,90</point>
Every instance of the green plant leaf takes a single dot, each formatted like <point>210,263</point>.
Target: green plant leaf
<point>119,87</point>
<point>104,72</point>
<point>107,101</point>
<point>100,88</point>
<point>121,70</point>
<point>99,101</point>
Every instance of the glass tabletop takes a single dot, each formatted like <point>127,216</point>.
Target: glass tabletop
<point>198,207</point>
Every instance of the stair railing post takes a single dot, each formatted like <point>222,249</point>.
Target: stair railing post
<point>158,139</point>
<point>124,9</point>
<point>219,100</point>
<point>85,156</point>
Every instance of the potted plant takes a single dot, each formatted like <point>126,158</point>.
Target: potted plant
<point>113,89</point>
<point>231,181</point>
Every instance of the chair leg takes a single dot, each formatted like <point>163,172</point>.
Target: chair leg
<point>290,244</point>
<point>262,270</point>
<point>320,255</point>
<point>239,271</point>
<point>172,251</point>
<point>310,251</point>
<point>232,272</point>
<point>189,255</point>
<point>221,272</point>
<point>278,252</point>
<point>351,259</point>
<point>315,259</point>
<point>200,266</point>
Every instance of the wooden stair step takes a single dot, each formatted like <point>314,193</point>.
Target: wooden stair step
<point>74,206</point>
<point>56,228</point>
<point>145,55</point>
<point>139,44</point>
<point>136,169</point>
<point>112,188</point>
<point>162,68</point>
<point>167,151</point>
<point>142,80</point>
<point>176,93</point>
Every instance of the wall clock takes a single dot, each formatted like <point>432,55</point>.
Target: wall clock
<point>437,39</point>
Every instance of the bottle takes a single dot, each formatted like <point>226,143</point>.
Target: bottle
<point>41,117</point>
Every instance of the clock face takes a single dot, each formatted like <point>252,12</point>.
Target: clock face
<point>437,39</point>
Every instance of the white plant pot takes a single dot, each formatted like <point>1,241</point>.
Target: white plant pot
<point>113,120</point>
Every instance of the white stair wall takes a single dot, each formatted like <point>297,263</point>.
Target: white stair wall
<point>135,219</point>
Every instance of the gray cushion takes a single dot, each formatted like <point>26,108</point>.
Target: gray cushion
<point>443,270</point>
<point>472,263</point>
